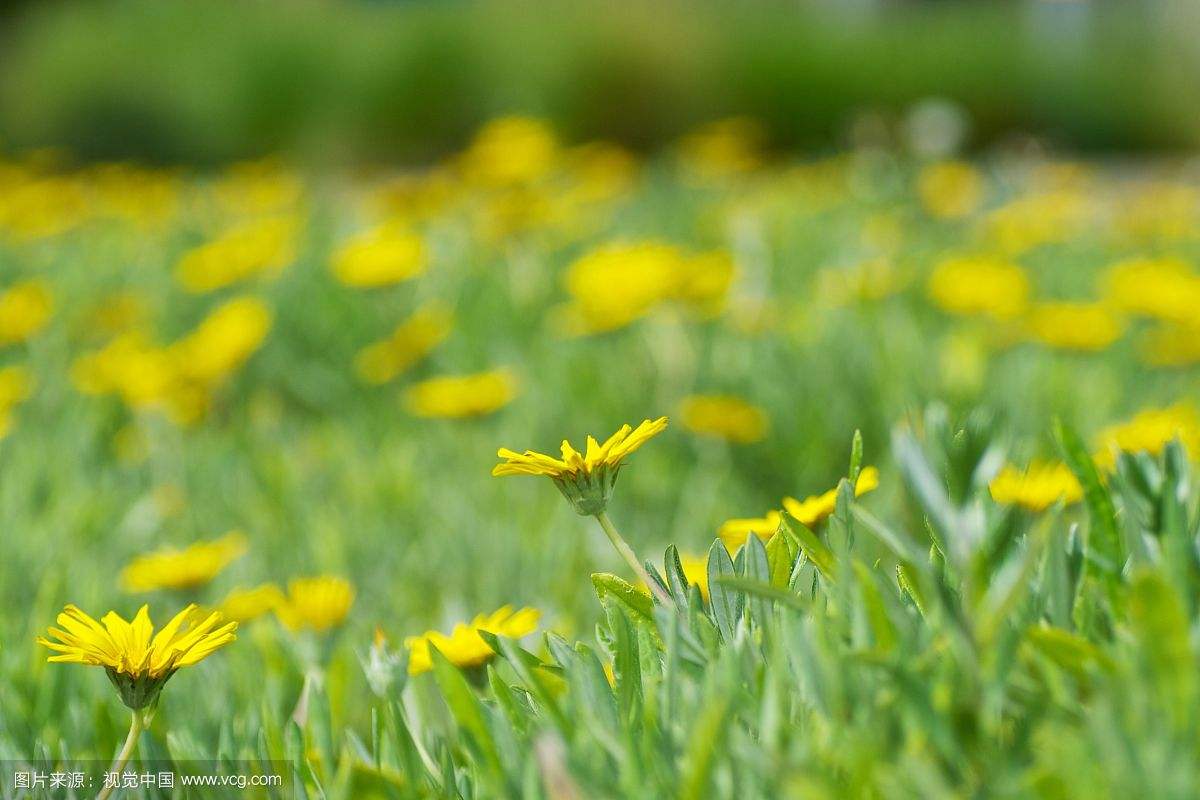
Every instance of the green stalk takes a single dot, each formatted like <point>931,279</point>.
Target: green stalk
<point>136,726</point>
<point>626,552</point>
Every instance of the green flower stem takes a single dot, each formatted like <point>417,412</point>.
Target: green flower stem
<point>626,552</point>
<point>135,731</point>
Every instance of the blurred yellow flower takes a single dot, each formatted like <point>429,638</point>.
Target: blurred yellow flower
<point>42,206</point>
<point>464,647</point>
<point>188,568</point>
<point>260,247</point>
<point>412,340</point>
<point>508,151</point>
<point>243,605</point>
<point>722,149</point>
<point>950,189</point>
<point>734,532</point>
<point>1074,326</point>
<point>318,603</point>
<point>724,417</point>
<point>695,569</point>
<point>585,479</point>
<point>223,340</point>
<point>815,509</point>
<point>1171,345</point>
<point>385,256</point>
<point>25,309</point>
<point>256,188</point>
<point>987,286</point>
<point>615,284</point>
<point>1037,487</point>
<point>1163,288</point>
<point>1160,211</point>
<point>1149,431</point>
<point>1033,220</point>
<point>457,396</point>
<point>137,660</point>
<point>704,281</point>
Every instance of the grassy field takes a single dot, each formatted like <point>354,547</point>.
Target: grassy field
<point>311,374</point>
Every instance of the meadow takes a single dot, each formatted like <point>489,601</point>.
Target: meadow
<point>280,394</point>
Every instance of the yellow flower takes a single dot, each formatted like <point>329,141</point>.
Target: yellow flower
<point>24,310</point>
<point>137,660</point>
<point>734,532</point>
<point>1149,431</point>
<point>319,603</point>
<point>979,286</point>
<point>704,282</point>
<point>586,479</point>
<point>695,569</point>
<point>382,257</point>
<point>260,247</point>
<point>458,396</point>
<point>813,510</point>
<point>464,647</point>
<point>510,151</point>
<point>223,340</point>
<point>243,605</point>
<point>722,149</point>
<point>615,284</point>
<point>412,340</point>
<point>1037,219</point>
<point>1164,288</point>
<point>1074,326</point>
<point>724,417</point>
<point>950,189</point>
<point>1037,487</point>
<point>193,566</point>
<point>255,188</point>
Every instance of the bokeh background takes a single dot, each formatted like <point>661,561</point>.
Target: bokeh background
<point>210,213</point>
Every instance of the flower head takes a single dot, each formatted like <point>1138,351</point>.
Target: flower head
<point>724,417</point>
<point>380,258</point>
<point>1149,431</point>
<point>735,532</point>
<point>319,603</point>
<point>813,510</point>
<point>243,605</point>
<point>25,309</point>
<point>188,568</point>
<point>987,286</point>
<point>1074,326</point>
<point>412,340</point>
<point>464,647</point>
<point>1037,487</point>
<point>457,396</point>
<point>586,479</point>
<point>137,660</point>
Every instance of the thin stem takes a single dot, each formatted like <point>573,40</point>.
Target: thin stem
<point>626,552</point>
<point>135,730</point>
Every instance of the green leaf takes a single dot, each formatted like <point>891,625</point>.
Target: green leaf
<point>707,736</point>
<point>467,711</point>
<point>1104,549</point>
<point>757,571</point>
<point>1160,624</point>
<point>763,590</point>
<point>781,556</point>
<point>629,596</point>
<point>726,605</point>
<point>813,548</point>
<point>856,457</point>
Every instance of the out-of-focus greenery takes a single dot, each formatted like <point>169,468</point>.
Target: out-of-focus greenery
<point>188,353</point>
<point>217,80</point>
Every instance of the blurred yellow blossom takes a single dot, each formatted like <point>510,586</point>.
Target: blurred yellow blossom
<point>987,286</point>
<point>734,532</point>
<point>1160,210</point>
<point>223,340</point>
<point>1037,487</point>
<point>243,605</point>
<point>41,206</point>
<point>382,257</point>
<point>1033,220</point>
<point>456,396</point>
<point>695,569</point>
<point>950,189</point>
<point>1074,325</point>
<point>1163,288</point>
<point>25,308</point>
<point>722,149</point>
<point>1171,345</point>
<point>260,247</point>
<point>258,188</point>
<point>319,603</point>
<point>1149,431</point>
<point>410,342</point>
<point>724,417</point>
<point>464,647</point>
<point>510,150</point>
<point>188,568</point>
<point>813,510</point>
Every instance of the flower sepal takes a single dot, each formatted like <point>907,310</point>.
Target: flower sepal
<point>589,492</point>
<point>138,692</point>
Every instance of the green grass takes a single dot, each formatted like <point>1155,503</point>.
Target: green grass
<point>1012,663</point>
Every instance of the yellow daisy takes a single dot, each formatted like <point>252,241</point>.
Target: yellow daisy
<point>244,605</point>
<point>137,660</point>
<point>464,647</point>
<point>586,479</point>
<point>319,603</point>
<point>1037,487</point>
<point>183,569</point>
<point>724,417</point>
<point>815,509</point>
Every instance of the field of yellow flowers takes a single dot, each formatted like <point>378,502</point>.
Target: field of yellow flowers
<point>915,435</point>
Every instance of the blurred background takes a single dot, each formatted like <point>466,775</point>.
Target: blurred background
<point>354,82</point>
